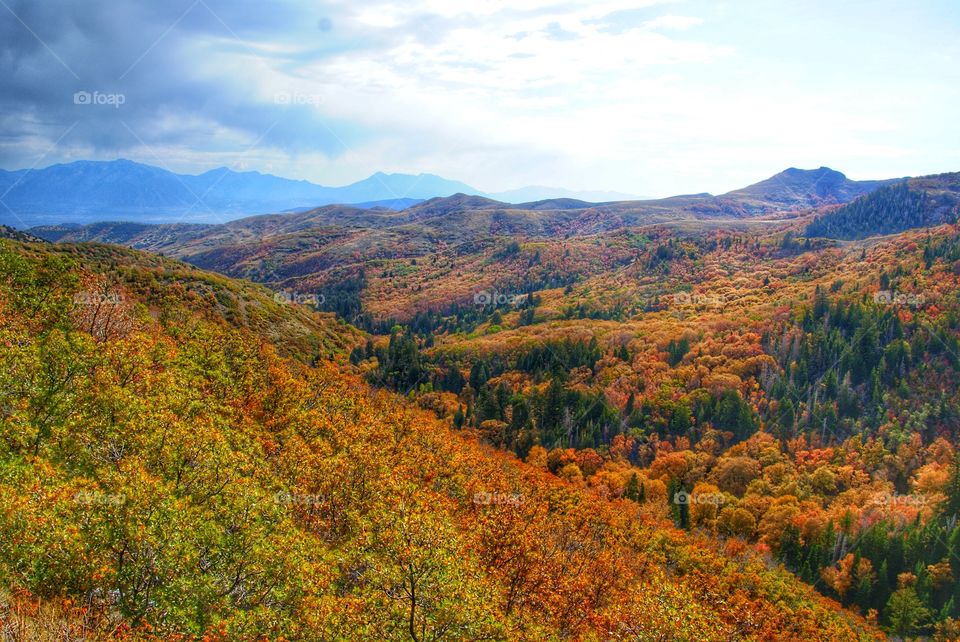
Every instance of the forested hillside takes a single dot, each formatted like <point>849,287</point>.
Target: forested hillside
<point>707,407</point>
<point>907,205</point>
<point>804,398</point>
<point>166,474</point>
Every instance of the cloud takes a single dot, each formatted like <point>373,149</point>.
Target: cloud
<point>673,22</point>
<point>609,94</point>
<point>200,78</point>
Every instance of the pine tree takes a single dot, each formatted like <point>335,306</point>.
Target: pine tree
<point>906,612</point>
<point>679,501</point>
<point>788,417</point>
<point>632,491</point>
<point>553,405</point>
<point>882,591</point>
<point>790,547</point>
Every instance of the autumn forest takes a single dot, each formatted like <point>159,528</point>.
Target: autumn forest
<point>549,422</point>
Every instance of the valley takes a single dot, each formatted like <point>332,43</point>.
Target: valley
<point>168,473</point>
<point>716,370</point>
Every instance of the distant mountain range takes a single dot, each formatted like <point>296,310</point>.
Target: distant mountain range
<point>90,191</point>
<point>464,218</point>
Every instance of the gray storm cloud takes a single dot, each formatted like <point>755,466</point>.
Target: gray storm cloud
<point>104,76</point>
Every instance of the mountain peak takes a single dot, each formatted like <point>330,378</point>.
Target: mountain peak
<point>819,172</point>
<point>795,187</point>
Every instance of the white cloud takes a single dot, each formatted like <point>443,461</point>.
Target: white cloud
<point>523,82</point>
<point>644,96</point>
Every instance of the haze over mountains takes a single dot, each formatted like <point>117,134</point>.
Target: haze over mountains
<point>89,191</point>
<point>334,244</point>
<point>466,215</point>
<point>85,192</point>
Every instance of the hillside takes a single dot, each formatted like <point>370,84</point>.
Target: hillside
<point>808,188</point>
<point>922,202</point>
<point>807,394</point>
<point>456,241</point>
<point>707,357</point>
<point>17,235</point>
<point>791,190</point>
<point>163,465</point>
<point>805,391</point>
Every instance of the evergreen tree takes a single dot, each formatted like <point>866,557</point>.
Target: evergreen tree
<point>679,501</point>
<point>632,491</point>
<point>906,613</point>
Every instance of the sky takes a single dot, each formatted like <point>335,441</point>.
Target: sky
<point>644,97</point>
